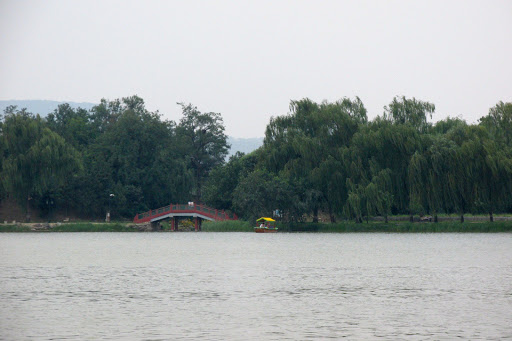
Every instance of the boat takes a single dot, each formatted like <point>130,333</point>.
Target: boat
<point>266,225</point>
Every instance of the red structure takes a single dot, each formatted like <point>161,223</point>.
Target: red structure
<point>173,211</point>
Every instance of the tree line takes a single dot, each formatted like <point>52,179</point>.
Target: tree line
<point>328,157</point>
<point>320,157</point>
<point>117,155</point>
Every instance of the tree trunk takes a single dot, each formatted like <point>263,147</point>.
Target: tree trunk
<point>411,218</point>
<point>491,217</point>
<point>386,218</point>
<point>198,189</point>
<point>315,215</point>
<point>199,184</point>
<point>331,216</point>
<point>27,217</point>
<point>435,218</point>
<point>462,217</point>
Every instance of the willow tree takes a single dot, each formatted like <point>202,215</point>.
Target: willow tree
<point>304,138</point>
<point>390,146</point>
<point>462,172</point>
<point>419,185</point>
<point>411,116</point>
<point>499,122</point>
<point>356,201</point>
<point>262,193</point>
<point>291,150</point>
<point>304,146</point>
<point>2,153</point>
<point>494,159</point>
<point>329,177</point>
<point>414,112</point>
<point>371,195</point>
<point>493,175</point>
<point>37,160</point>
<point>339,122</point>
<point>429,175</point>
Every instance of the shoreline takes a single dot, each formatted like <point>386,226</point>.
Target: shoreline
<point>244,226</point>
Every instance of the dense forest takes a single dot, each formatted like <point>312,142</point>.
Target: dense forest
<point>320,157</point>
<point>75,159</point>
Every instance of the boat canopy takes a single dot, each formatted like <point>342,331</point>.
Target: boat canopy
<point>264,219</point>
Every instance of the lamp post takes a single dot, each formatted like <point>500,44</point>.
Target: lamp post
<point>49,203</point>
<point>109,205</point>
<point>27,217</point>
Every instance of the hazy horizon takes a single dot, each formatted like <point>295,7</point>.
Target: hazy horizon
<point>247,60</point>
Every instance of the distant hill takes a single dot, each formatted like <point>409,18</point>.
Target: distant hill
<point>42,107</point>
<point>245,145</point>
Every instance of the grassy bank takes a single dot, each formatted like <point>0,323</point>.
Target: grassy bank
<point>245,226</point>
<point>351,227</point>
<point>71,227</point>
<point>90,227</point>
<point>227,226</point>
<point>405,227</point>
<point>14,228</point>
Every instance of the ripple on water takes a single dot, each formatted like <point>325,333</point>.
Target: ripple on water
<point>243,287</point>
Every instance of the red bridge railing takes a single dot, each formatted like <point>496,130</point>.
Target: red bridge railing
<point>199,209</point>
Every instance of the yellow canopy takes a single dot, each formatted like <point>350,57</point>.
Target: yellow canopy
<point>265,219</point>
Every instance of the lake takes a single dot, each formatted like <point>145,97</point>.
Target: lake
<point>247,286</point>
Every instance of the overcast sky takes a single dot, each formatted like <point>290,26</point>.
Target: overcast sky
<point>248,59</point>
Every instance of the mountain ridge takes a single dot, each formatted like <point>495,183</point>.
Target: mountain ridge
<point>42,107</point>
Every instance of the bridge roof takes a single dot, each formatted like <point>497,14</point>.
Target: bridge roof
<point>265,219</point>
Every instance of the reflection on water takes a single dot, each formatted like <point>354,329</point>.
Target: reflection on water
<point>243,286</point>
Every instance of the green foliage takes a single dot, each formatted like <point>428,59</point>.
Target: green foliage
<point>319,158</point>
<point>335,161</point>
<point>406,227</point>
<point>36,161</point>
<point>227,226</point>
<point>499,123</point>
<point>202,142</point>
<point>72,125</point>
<point>409,111</point>
<point>76,158</point>
<point>132,154</point>
<point>14,228</point>
<point>305,147</point>
<point>260,193</point>
<point>135,160</point>
<point>221,184</point>
<point>90,227</point>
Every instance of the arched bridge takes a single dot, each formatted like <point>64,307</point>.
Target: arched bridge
<point>174,211</point>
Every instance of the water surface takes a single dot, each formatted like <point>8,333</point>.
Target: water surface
<point>244,286</point>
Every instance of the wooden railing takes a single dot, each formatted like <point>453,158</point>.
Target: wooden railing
<point>186,208</point>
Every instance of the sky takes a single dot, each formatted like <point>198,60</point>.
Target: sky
<point>248,59</point>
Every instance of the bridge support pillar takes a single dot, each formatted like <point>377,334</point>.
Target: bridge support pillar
<point>155,225</point>
<point>173,224</point>
<point>197,223</point>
